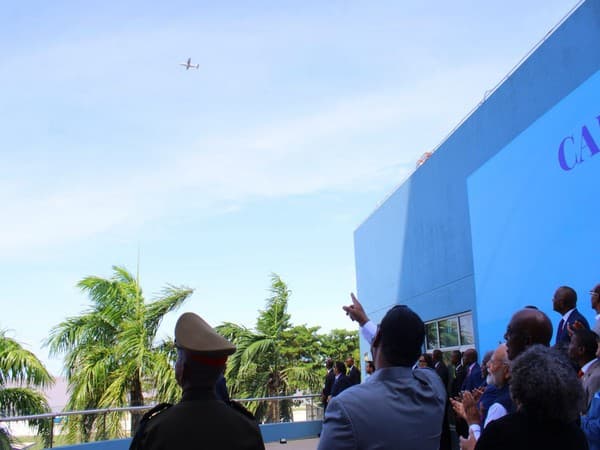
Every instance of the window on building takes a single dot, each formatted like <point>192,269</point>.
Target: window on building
<point>450,333</point>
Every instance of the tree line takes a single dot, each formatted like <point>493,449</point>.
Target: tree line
<point>112,358</point>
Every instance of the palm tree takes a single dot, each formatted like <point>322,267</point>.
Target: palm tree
<point>24,372</point>
<point>260,366</point>
<point>110,355</point>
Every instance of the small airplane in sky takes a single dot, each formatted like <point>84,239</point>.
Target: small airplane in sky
<point>188,65</point>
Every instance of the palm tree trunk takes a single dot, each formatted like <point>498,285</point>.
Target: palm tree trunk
<point>136,398</point>
<point>273,410</point>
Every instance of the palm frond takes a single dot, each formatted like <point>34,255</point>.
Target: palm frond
<point>20,365</point>
<point>301,374</point>
<point>261,346</point>
<point>171,298</point>
<point>22,401</point>
<point>78,331</point>
<point>159,376</point>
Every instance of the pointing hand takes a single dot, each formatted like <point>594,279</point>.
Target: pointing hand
<point>355,311</point>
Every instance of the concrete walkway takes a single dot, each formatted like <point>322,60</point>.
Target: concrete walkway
<point>300,444</point>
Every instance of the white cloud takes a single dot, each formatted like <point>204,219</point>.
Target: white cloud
<point>369,141</point>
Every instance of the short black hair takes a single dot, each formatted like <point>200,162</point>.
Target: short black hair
<point>570,298</point>
<point>588,340</point>
<point>340,366</point>
<point>402,333</point>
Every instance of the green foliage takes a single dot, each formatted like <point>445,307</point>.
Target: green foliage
<point>339,344</point>
<point>110,356</point>
<point>277,358</point>
<point>5,440</point>
<point>22,368</point>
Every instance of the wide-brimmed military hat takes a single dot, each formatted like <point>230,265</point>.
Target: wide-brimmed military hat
<point>194,334</point>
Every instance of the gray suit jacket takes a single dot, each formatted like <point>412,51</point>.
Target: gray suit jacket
<point>396,407</point>
<point>591,382</point>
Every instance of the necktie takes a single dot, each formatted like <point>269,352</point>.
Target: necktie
<point>560,330</point>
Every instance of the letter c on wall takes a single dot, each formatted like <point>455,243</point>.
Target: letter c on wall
<point>562,160</point>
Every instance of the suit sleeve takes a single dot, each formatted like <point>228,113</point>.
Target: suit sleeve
<point>577,316</point>
<point>337,430</point>
<point>590,423</point>
<point>328,384</point>
<point>592,386</point>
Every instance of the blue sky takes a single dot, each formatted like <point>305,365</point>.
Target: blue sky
<point>301,118</point>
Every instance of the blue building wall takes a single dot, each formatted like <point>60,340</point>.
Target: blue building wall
<point>416,248</point>
<point>538,228</point>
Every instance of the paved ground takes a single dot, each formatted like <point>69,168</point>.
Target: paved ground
<point>301,444</point>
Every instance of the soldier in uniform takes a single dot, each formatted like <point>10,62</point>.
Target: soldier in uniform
<point>200,419</point>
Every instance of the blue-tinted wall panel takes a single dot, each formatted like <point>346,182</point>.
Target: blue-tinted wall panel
<point>535,214</point>
<point>416,247</point>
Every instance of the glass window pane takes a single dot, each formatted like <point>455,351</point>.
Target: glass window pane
<point>432,337</point>
<point>448,332</point>
<point>466,330</point>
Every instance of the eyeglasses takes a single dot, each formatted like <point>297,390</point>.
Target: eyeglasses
<point>594,294</point>
<point>494,361</point>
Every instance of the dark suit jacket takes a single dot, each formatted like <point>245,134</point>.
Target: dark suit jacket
<point>340,384</point>
<point>354,375</point>
<point>329,379</point>
<point>200,420</point>
<point>459,376</point>
<point>442,371</point>
<point>473,380</point>
<point>562,336</point>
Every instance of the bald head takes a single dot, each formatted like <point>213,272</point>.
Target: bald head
<point>527,327</point>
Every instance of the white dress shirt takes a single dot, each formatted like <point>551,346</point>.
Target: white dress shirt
<point>368,330</point>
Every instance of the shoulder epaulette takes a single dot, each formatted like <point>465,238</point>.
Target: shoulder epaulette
<point>135,442</point>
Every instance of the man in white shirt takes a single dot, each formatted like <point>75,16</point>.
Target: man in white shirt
<point>497,390</point>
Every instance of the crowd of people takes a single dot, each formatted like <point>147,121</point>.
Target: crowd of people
<point>528,393</point>
<point>539,389</point>
<point>338,378</point>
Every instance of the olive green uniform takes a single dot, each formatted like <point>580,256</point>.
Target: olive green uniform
<point>201,421</point>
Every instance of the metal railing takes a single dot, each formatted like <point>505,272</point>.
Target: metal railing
<point>312,411</point>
